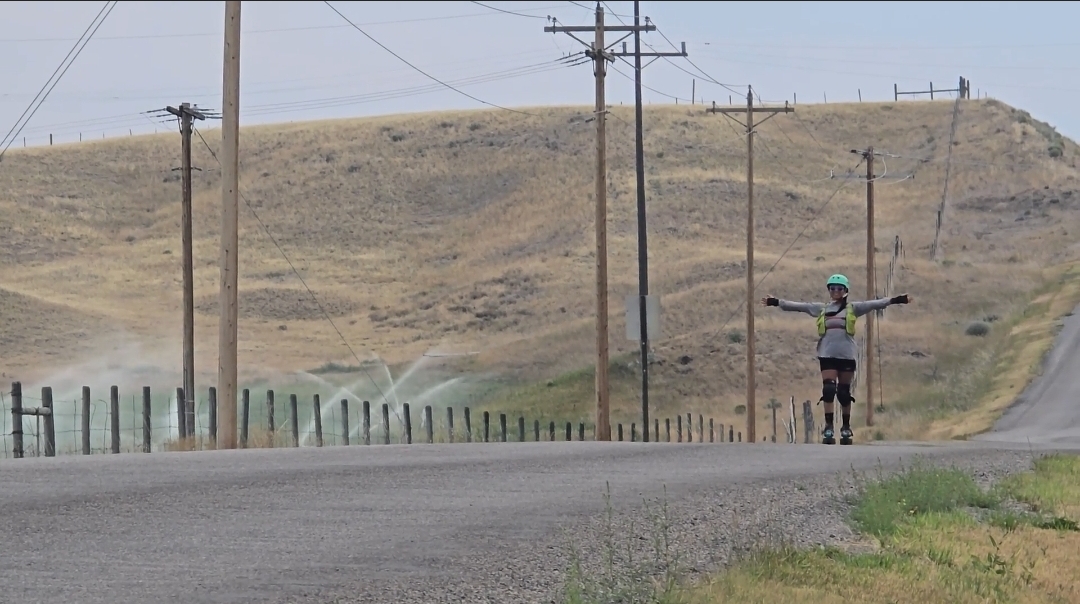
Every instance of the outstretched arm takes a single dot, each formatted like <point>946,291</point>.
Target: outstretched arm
<point>811,308</point>
<point>864,307</point>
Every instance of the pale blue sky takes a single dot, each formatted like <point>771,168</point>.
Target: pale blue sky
<point>300,61</point>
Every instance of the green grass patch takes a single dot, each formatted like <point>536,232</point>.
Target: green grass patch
<point>1053,488</point>
<point>948,541</point>
<point>883,507</point>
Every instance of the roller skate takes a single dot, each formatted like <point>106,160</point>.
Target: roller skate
<point>846,435</point>
<point>827,436</point>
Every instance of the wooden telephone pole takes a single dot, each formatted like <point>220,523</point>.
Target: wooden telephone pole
<point>751,372</point>
<point>871,284</point>
<point>230,194</point>
<point>600,53</point>
<point>186,114</point>
<point>643,245</point>
<point>871,270</point>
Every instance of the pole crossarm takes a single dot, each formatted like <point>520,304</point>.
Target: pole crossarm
<point>566,29</point>
<point>771,111</point>
<point>186,110</point>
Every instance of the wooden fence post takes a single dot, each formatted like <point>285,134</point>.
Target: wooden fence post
<point>294,420</point>
<point>536,430</point>
<point>618,431</point>
<point>114,417</point>
<point>667,427</point>
<point>689,427</point>
<point>656,429</point>
<point>147,427</point>
<point>450,424</point>
<point>430,430</point>
<point>468,425</point>
<point>345,421</point>
<point>408,423</point>
<point>502,427</point>
<point>270,415</point>
<point>367,423</point>
<point>16,420</point>
<point>50,422</point>
<point>521,428</point>
<point>386,423</point>
<point>212,412</point>
<point>581,432</point>
<point>317,410</point>
<point>701,428</point>
<point>678,428</point>
<point>181,417</point>
<point>245,416</point>
<point>633,432</point>
<point>731,434</point>
<point>712,433</point>
<point>569,431</point>
<point>487,426</point>
<point>551,432</point>
<point>86,420</point>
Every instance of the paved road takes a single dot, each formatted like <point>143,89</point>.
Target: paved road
<point>1048,411</point>
<point>421,523</point>
<point>300,525</point>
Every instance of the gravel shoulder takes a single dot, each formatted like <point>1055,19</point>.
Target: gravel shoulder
<point>419,523</point>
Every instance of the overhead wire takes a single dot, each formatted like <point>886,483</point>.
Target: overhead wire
<point>77,49</point>
<point>508,12</point>
<point>813,218</point>
<point>421,71</point>
<point>323,103</point>
<point>278,29</point>
<point>126,120</point>
<point>273,240</point>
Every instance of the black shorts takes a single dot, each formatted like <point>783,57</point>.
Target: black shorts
<point>842,365</point>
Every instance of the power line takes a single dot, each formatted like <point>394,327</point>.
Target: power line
<point>278,29</point>
<point>339,101</point>
<point>843,183</point>
<point>58,77</point>
<point>509,12</point>
<point>421,71</point>
<point>340,79</point>
<point>707,77</point>
<point>287,106</point>
<point>315,298</point>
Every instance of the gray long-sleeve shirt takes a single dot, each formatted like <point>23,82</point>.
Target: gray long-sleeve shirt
<point>836,343</point>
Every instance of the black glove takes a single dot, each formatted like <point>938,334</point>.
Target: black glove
<point>901,299</point>
<point>770,301</point>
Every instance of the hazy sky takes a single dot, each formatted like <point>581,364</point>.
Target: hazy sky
<point>301,61</point>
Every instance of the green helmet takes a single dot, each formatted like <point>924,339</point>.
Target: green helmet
<point>837,279</point>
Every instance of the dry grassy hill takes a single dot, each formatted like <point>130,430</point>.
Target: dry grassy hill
<point>473,231</point>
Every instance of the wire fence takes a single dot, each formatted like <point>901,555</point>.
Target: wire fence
<point>150,422</point>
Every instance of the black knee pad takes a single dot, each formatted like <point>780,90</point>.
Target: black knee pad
<point>828,390</point>
<point>843,394</point>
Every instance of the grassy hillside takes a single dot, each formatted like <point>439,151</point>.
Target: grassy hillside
<point>473,232</point>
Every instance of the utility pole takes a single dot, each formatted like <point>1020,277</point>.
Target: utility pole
<point>871,284</point>
<point>751,372</point>
<point>186,113</point>
<point>230,193</point>
<point>643,245</point>
<point>599,52</point>
<point>871,270</point>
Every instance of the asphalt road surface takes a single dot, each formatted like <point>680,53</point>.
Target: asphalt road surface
<point>431,523</point>
<point>1048,411</point>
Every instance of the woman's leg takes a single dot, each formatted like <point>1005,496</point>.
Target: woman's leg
<point>829,379</point>
<point>843,394</point>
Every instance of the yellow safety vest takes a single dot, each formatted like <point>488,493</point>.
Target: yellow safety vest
<point>849,326</point>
